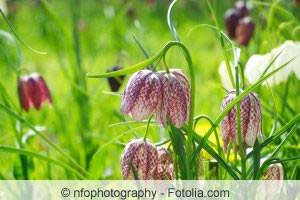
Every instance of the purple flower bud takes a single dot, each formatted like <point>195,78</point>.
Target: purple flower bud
<point>244,31</point>
<point>33,91</point>
<point>178,98</point>
<point>250,120</point>
<point>231,22</point>
<point>165,166</point>
<point>143,155</point>
<point>274,172</point>
<point>115,82</point>
<point>241,9</point>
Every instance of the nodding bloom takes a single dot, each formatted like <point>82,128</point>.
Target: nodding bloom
<point>165,94</point>
<point>33,91</point>
<point>274,172</point>
<point>115,82</point>
<point>142,156</point>
<point>244,31</point>
<point>178,97</point>
<point>250,113</point>
<point>165,166</point>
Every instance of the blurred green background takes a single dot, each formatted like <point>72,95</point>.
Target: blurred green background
<point>94,35</point>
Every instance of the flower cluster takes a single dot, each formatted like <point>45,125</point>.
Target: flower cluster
<point>148,161</point>
<point>33,91</point>
<point>250,113</point>
<point>238,23</point>
<point>162,93</point>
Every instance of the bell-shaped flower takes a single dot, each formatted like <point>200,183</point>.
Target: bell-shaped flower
<point>244,31</point>
<point>142,95</point>
<point>250,113</point>
<point>178,97</point>
<point>258,63</point>
<point>142,156</point>
<point>33,91</point>
<point>274,172</point>
<point>165,165</point>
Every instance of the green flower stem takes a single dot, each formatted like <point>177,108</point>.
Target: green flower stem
<point>189,146</point>
<point>238,113</point>
<point>147,128</point>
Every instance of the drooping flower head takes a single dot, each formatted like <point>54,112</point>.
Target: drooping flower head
<point>144,93</point>
<point>115,82</point>
<point>244,31</point>
<point>143,156</point>
<point>165,94</point>
<point>165,166</point>
<point>274,172</point>
<point>250,113</point>
<point>33,91</point>
<point>178,97</point>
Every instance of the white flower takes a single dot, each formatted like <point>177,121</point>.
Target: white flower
<point>258,63</point>
<point>226,83</point>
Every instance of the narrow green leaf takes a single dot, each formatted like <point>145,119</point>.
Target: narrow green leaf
<point>256,160</point>
<point>8,149</point>
<point>143,50</point>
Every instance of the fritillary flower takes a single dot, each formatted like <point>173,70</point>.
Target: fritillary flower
<point>115,82</point>
<point>178,97</point>
<point>165,166</point>
<point>143,156</point>
<point>33,91</point>
<point>250,120</point>
<point>274,172</point>
<point>244,31</point>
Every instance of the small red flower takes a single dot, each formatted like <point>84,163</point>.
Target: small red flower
<point>143,156</point>
<point>33,91</point>
<point>250,120</point>
<point>231,22</point>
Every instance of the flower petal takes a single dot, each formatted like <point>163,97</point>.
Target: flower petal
<point>33,90</point>
<point>162,106</point>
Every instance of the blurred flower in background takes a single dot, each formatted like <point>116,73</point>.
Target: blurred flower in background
<point>258,63</point>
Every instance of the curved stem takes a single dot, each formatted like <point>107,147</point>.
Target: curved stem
<point>189,147</point>
<point>147,128</point>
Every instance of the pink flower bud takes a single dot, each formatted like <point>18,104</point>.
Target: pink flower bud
<point>274,172</point>
<point>165,166</point>
<point>33,91</point>
<point>178,98</point>
<point>250,112</point>
<point>244,31</point>
<point>143,156</point>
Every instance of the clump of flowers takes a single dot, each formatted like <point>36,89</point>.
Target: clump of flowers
<point>162,93</point>
<point>250,120</point>
<point>238,24</point>
<point>33,91</point>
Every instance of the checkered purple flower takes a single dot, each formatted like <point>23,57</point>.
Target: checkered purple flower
<point>165,166</point>
<point>143,155</point>
<point>274,172</point>
<point>250,120</point>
